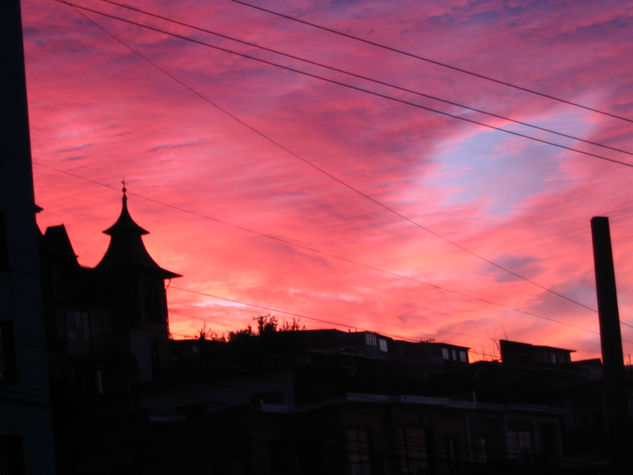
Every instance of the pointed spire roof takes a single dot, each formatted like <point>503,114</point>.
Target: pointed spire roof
<point>126,249</point>
<point>125,223</point>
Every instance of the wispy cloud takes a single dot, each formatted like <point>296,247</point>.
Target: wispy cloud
<point>523,204</point>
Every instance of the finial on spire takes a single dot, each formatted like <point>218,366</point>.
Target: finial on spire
<point>124,189</point>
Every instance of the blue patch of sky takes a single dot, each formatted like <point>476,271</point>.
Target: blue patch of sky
<point>501,171</point>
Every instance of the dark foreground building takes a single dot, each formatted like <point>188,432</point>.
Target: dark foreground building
<point>26,440</point>
<point>280,400</point>
<point>107,336</point>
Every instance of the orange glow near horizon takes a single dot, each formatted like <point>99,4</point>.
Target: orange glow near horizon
<point>243,219</point>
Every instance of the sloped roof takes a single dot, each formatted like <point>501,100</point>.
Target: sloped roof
<point>56,239</point>
<point>126,249</point>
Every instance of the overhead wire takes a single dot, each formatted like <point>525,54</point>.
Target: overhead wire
<point>305,317</point>
<point>477,351</point>
<point>429,337</point>
<point>182,289</point>
<point>296,244</point>
<point>364,77</point>
<point>362,407</point>
<point>315,166</point>
<point>430,60</point>
<point>292,243</point>
<point>188,396</point>
<point>380,270</point>
<point>344,84</point>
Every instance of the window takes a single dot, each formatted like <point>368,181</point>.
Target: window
<point>370,339</point>
<point>4,247</point>
<point>382,344</point>
<point>7,353</point>
<point>519,444</point>
<point>11,455</point>
<point>452,456</point>
<point>99,380</point>
<point>358,449</point>
<point>445,354</point>
<point>463,357</point>
<point>415,456</point>
<point>100,324</point>
<point>77,325</point>
<point>479,450</point>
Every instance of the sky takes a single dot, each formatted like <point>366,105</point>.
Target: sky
<point>275,192</point>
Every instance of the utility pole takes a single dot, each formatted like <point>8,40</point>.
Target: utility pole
<point>611,343</point>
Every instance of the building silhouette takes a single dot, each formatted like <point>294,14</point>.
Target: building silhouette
<point>283,400</point>
<point>126,399</point>
<point>26,439</point>
<point>107,335</point>
<point>115,314</point>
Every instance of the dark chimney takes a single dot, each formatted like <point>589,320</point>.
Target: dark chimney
<point>611,341</point>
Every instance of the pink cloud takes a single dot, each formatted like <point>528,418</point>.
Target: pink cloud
<point>102,113</point>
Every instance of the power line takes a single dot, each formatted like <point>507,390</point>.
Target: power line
<point>311,249</point>
<point>366,78</point>
<point>351,327</point>
<point>330,175</point>
<point>431,61</point>
<point>269,308</point>
<point>433,335</point>
<point>347,85</point>
<point>390,335</point>
<point>302,316</point>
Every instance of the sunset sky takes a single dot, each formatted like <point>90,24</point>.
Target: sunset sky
<point>266,187</point>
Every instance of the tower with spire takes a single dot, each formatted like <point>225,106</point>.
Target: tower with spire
<point>107,333</point>
<point>134,284</point>
<point>126,251</point>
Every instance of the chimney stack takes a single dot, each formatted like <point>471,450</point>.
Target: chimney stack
<point>611,341</point>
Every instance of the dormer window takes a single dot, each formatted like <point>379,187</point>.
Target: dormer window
<point>382,345</point>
